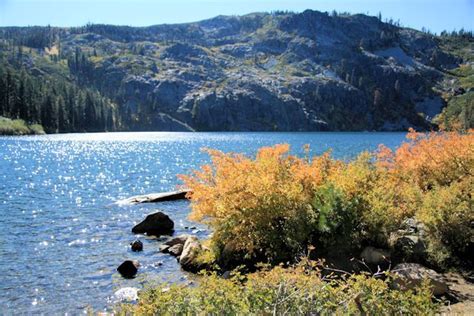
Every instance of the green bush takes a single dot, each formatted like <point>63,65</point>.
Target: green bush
<point>448,213</point>
<point>37,129</point>
<point>18,127</point>
<point>335,219</point>
<point>299,290</point>
<point>13,127</point>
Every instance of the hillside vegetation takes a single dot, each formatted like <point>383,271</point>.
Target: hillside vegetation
<point>276,71</point>
<point>301,290</point>
<point>459,112</point>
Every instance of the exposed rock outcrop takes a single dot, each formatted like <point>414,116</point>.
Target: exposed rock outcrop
<point>176,250</point>
<point>189,256</point>
<point>303,71</point>
<point>411,275</point>
<point>176,241</point>
<point>461,294</point>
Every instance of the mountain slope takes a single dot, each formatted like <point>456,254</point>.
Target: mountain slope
<point>259,72</point>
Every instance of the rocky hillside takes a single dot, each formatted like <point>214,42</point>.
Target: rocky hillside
<point>260,72</point>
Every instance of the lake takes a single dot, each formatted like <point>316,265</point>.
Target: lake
<point>61,236</point>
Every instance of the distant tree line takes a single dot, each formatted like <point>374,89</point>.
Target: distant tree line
<point>461,33</point>
<point>58,105</point>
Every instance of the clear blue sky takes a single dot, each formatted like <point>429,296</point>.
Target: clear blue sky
<point>435,15</point>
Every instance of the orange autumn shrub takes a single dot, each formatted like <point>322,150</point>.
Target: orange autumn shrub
<point>272,207</point>
<point>431,159</point>
<point>262,206</point>
<point>379,200</point>
<point>441,167</point>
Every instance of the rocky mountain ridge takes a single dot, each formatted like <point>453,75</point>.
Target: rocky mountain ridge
<point>284,71</point>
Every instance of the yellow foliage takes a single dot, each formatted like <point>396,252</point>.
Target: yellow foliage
<point>431,159</point>
<point>275,205</point>
<point>248,200</point>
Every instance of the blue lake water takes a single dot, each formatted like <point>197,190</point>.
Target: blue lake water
<point>61,236</point>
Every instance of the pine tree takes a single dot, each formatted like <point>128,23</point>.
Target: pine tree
<point>90,111</point>
<point>3,94</point>
<point>49,116</point>
<point>62,120</point>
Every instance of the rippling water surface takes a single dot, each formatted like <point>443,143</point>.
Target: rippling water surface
<point>61,237</point>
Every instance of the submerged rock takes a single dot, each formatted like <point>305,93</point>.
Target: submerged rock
<point>128,269</point>
<point>137,245</point>
<point>411,275</point>
<point>155,224</point>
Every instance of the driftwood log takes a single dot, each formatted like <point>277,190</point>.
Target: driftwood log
<point>155,197</point>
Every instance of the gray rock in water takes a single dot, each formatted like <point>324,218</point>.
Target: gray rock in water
<point>181,239</point>
<point>128,269</point>
<point>176,250</point>
<point>126,294</point>
<point>136,245</point>
<point>155,224</point>
<point>164,248</point>
<point>410,275</point>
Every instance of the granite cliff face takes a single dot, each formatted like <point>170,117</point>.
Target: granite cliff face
<point>263,72</point>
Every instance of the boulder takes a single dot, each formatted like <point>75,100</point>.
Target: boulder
<point>409,248</point>
<point>176,250</point>
<point>226,275</point>
<point>136,245</point>
<point>128,268</point>
<point>188,259</point>
<point>411,275</point>
<point>179,240</point>
<point>164,248</point>
<point>155,224</point>
<point>126,294</point>
<point>376,256</point>
<point>408,244</point>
